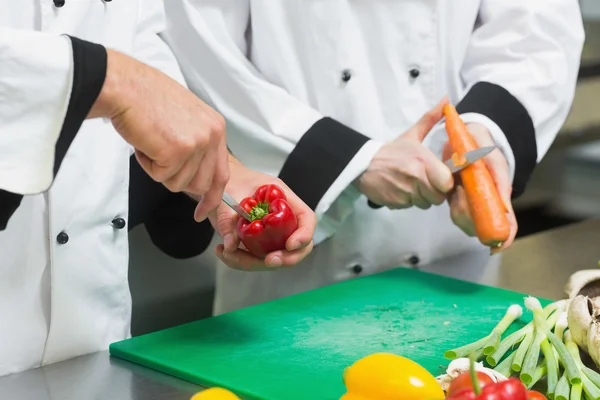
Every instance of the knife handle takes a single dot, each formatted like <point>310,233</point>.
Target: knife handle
<point>373,205</point>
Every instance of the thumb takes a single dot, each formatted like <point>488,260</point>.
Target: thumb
<point>420,130</point>
<point>224,220</point>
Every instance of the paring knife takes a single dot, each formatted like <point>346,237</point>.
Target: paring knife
<point>235,206</point>
<point>470,158</point>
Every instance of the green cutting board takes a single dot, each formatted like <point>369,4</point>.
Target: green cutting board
<point>296,348</point>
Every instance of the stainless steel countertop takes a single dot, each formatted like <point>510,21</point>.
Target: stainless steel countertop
<point>539,265</point>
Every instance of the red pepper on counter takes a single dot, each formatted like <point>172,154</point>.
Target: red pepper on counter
<point>273,221</point>
<point>511,389</point>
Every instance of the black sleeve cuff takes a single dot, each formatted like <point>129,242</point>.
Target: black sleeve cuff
<point>168,217</point>
<point>319,158</point>
<point>510,115</point>
<point>89,72</point>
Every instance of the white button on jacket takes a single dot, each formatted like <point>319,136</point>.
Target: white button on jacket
<point>312,88</point>
<point>64,252</point>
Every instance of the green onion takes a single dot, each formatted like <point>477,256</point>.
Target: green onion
<point>466,350</point>
<point>522,351</point>
<point>490,342</point>
<point>571,369</point>
<point>507,343</point>
<point>552,364</point>
<point>592,391</point>
<point>531,359</point>
<point>562,389</point>
<point>591,374</point>
<point>557,305</point>
<point>589,378</point>
<point>493,340</point>
<point>540,372</point>
<point>576,391</point>
<point>504,367</point>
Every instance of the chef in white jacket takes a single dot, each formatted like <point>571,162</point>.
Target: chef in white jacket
<point>319,92</point>
<point>73,109</point>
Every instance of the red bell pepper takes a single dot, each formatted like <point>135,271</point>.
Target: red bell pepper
<point>511,389</point>
<point>273,221</point>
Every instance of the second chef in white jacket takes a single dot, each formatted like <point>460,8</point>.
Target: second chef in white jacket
<point>314,90</point>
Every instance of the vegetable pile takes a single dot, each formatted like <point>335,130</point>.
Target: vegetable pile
<point>544,348</point>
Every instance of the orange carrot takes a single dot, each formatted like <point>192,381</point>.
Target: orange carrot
<point>487,209</point>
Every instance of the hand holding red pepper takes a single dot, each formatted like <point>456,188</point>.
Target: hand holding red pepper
<point>244,181</point>
<point>273,221</point>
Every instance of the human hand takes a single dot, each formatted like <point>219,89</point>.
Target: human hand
<point>179,140</point>
<point>498,167</point>
<point>243,183</point>
<point>404,173</point>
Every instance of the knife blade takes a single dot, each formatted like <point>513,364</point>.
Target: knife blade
<point>235,206</point>
<point>470,157</point>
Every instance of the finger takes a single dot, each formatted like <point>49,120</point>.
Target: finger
<point>240,260</point>
<point>244,261</point>
<point>151,168</point>
<point>181,180</point>
<point>428,193</point>
<point>447,151</point>
<point>224,220</point>
<point>203,184</point>
<point>307,222</point>
<point>438,174</point>
<point>287,258</point>
<point>417,198</point>
<point>420,130</point>
<point>157,172</point>
<point>460,212</point>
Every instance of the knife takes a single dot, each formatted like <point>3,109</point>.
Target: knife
<point>470,158</point>
<point>235,206</point>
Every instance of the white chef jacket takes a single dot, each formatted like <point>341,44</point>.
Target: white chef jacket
<point>63,274</point>
<point>311,89</point>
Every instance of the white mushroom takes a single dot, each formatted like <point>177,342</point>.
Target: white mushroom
<point>460,366</point>
<point>583,315</point>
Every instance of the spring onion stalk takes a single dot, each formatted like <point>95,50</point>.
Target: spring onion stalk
<point>576,391</point>
<point>562,389</point>
<point>531,359</point>
<point>507,343</point>
<point>592,391</point>
<point>540,372</point>
<point>551,320</point>
<point>522,351</point>
<point>556,306</point>
<point>561,325</point>
<point>504,367</point>
<point>466,350</point>
<point>590,388</point>
<point>552,365</point>
<point>539,322</point>
<point>493,340</point>
<point>591,375</point>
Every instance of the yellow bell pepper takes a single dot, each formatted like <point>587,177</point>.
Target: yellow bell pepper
<point>215,394</point>
<point>385,376</point>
